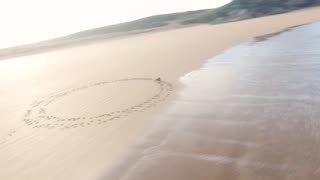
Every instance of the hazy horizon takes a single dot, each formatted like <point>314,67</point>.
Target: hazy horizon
<point>36,20</point>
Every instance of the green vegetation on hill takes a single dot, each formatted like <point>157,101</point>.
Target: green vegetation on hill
<point>234,11</point>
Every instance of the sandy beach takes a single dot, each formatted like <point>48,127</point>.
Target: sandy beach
<point>74,113</point>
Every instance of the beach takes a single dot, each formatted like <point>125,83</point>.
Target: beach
<point>76,113</point>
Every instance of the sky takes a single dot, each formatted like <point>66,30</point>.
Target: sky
<point>28,21</point>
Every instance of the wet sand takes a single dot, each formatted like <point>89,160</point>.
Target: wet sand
<point>249,113</point>
<point>58,119</point>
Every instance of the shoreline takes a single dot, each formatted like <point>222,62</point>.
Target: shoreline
<point>166,54</point>
<point>229,121</point>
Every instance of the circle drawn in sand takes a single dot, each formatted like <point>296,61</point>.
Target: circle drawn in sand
<point>40,114</point>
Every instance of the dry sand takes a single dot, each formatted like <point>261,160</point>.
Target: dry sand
<point>47,98</point>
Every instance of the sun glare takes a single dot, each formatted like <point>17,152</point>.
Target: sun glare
<point>34,20</point>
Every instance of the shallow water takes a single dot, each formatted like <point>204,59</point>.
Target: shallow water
<point>250,113</point>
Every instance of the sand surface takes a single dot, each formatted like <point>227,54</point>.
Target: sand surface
<point>73,113</point>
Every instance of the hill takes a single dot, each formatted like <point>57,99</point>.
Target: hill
<point>234,11</point>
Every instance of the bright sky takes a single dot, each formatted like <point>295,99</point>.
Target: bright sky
<point>27,21</point>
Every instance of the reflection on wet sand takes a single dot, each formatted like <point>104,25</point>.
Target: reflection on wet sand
<point>250,113</point>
